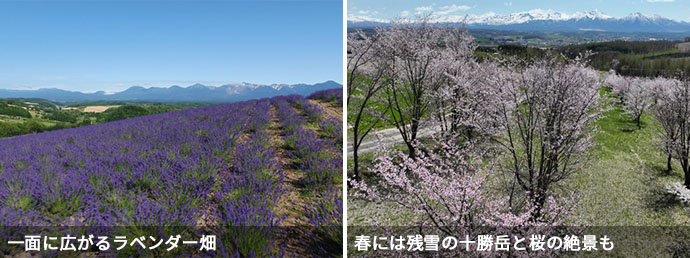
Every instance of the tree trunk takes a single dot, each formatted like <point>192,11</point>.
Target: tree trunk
<point>410,148</point>
<point>669,168</point>
<point>355,163</point>
<point>414,127</point>
<point>686,172</point>
<point>469,133</point>
<point>539,200</point>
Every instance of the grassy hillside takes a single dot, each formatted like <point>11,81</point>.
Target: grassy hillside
<point>24,116</point>
<point>621,191</point>
<point>624,181</point>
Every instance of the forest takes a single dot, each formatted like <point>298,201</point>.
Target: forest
<point>634,58</point>
<point>631,58</point>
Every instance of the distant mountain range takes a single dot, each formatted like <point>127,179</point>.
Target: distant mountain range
<point>550,21</point>
<point>193,93</point>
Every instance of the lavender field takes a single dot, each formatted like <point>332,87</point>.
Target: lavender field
<point>253,173</point>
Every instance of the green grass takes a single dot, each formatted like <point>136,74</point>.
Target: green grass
<point>368,120</point>
<point>659,53</point>
<point>379,104</point>
<point>44,122</point>
<point>10,119</point>
<point>622,185</point>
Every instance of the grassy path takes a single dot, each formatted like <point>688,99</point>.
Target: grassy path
<point>297,229</point>
<point>622,188</point>
<point>623,183</point>
<point>291,204</point>
<point>329,110</point>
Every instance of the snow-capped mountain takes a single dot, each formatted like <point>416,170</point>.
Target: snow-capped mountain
<point>531,15</point>
<point>551,21</point>
<point>193,93</point>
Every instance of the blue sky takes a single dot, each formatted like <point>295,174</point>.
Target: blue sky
<point>385,10</point>
<point>90,46</point>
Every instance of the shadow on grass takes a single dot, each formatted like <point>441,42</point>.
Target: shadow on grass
<point>659,170</point>
<point>660,200</point>
<point>628,130</point>
<point>657,198</point>
<point>629,126</point>
<point>616,120</point>
<point>679,248</point>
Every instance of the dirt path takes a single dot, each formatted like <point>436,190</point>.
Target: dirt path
<point>292,202</point>
<point>388,137</point>
<point>207,217</point>
<point>297,234</point>
<point>330,111</point>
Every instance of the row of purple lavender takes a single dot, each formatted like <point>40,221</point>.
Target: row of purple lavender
<point>320,158</point>
<point>208,167</point>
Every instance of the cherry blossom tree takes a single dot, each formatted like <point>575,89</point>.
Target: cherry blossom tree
<point>460,102</point>
<point>618,83</point>
<point>541,113</point>
<point>360,53</point>
<point>446,186</point>
<point>412,50</point>
<point>637,98</point>
<point>636,94</point>
<point>548,110</point>
<point>666,115</point>
<point>365,80</point>
<point>443,184</point>
<point>673,111</point>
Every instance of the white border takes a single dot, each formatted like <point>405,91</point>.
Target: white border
<point>344,128</point>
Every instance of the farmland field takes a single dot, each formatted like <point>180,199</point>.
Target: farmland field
<point>98,109</point>
<point>253,173</point>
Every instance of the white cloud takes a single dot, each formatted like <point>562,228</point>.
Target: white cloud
<point>423,9</point>
<point>404,13</point>
<point>448,9</point>
<point>508,3</point>
<point>364,12</point>
<point>363,19</point>
<point>661,1</point>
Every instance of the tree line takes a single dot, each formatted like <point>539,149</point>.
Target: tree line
<point>634,58</point>
<point>668,100</point>
<point>14,111</point>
